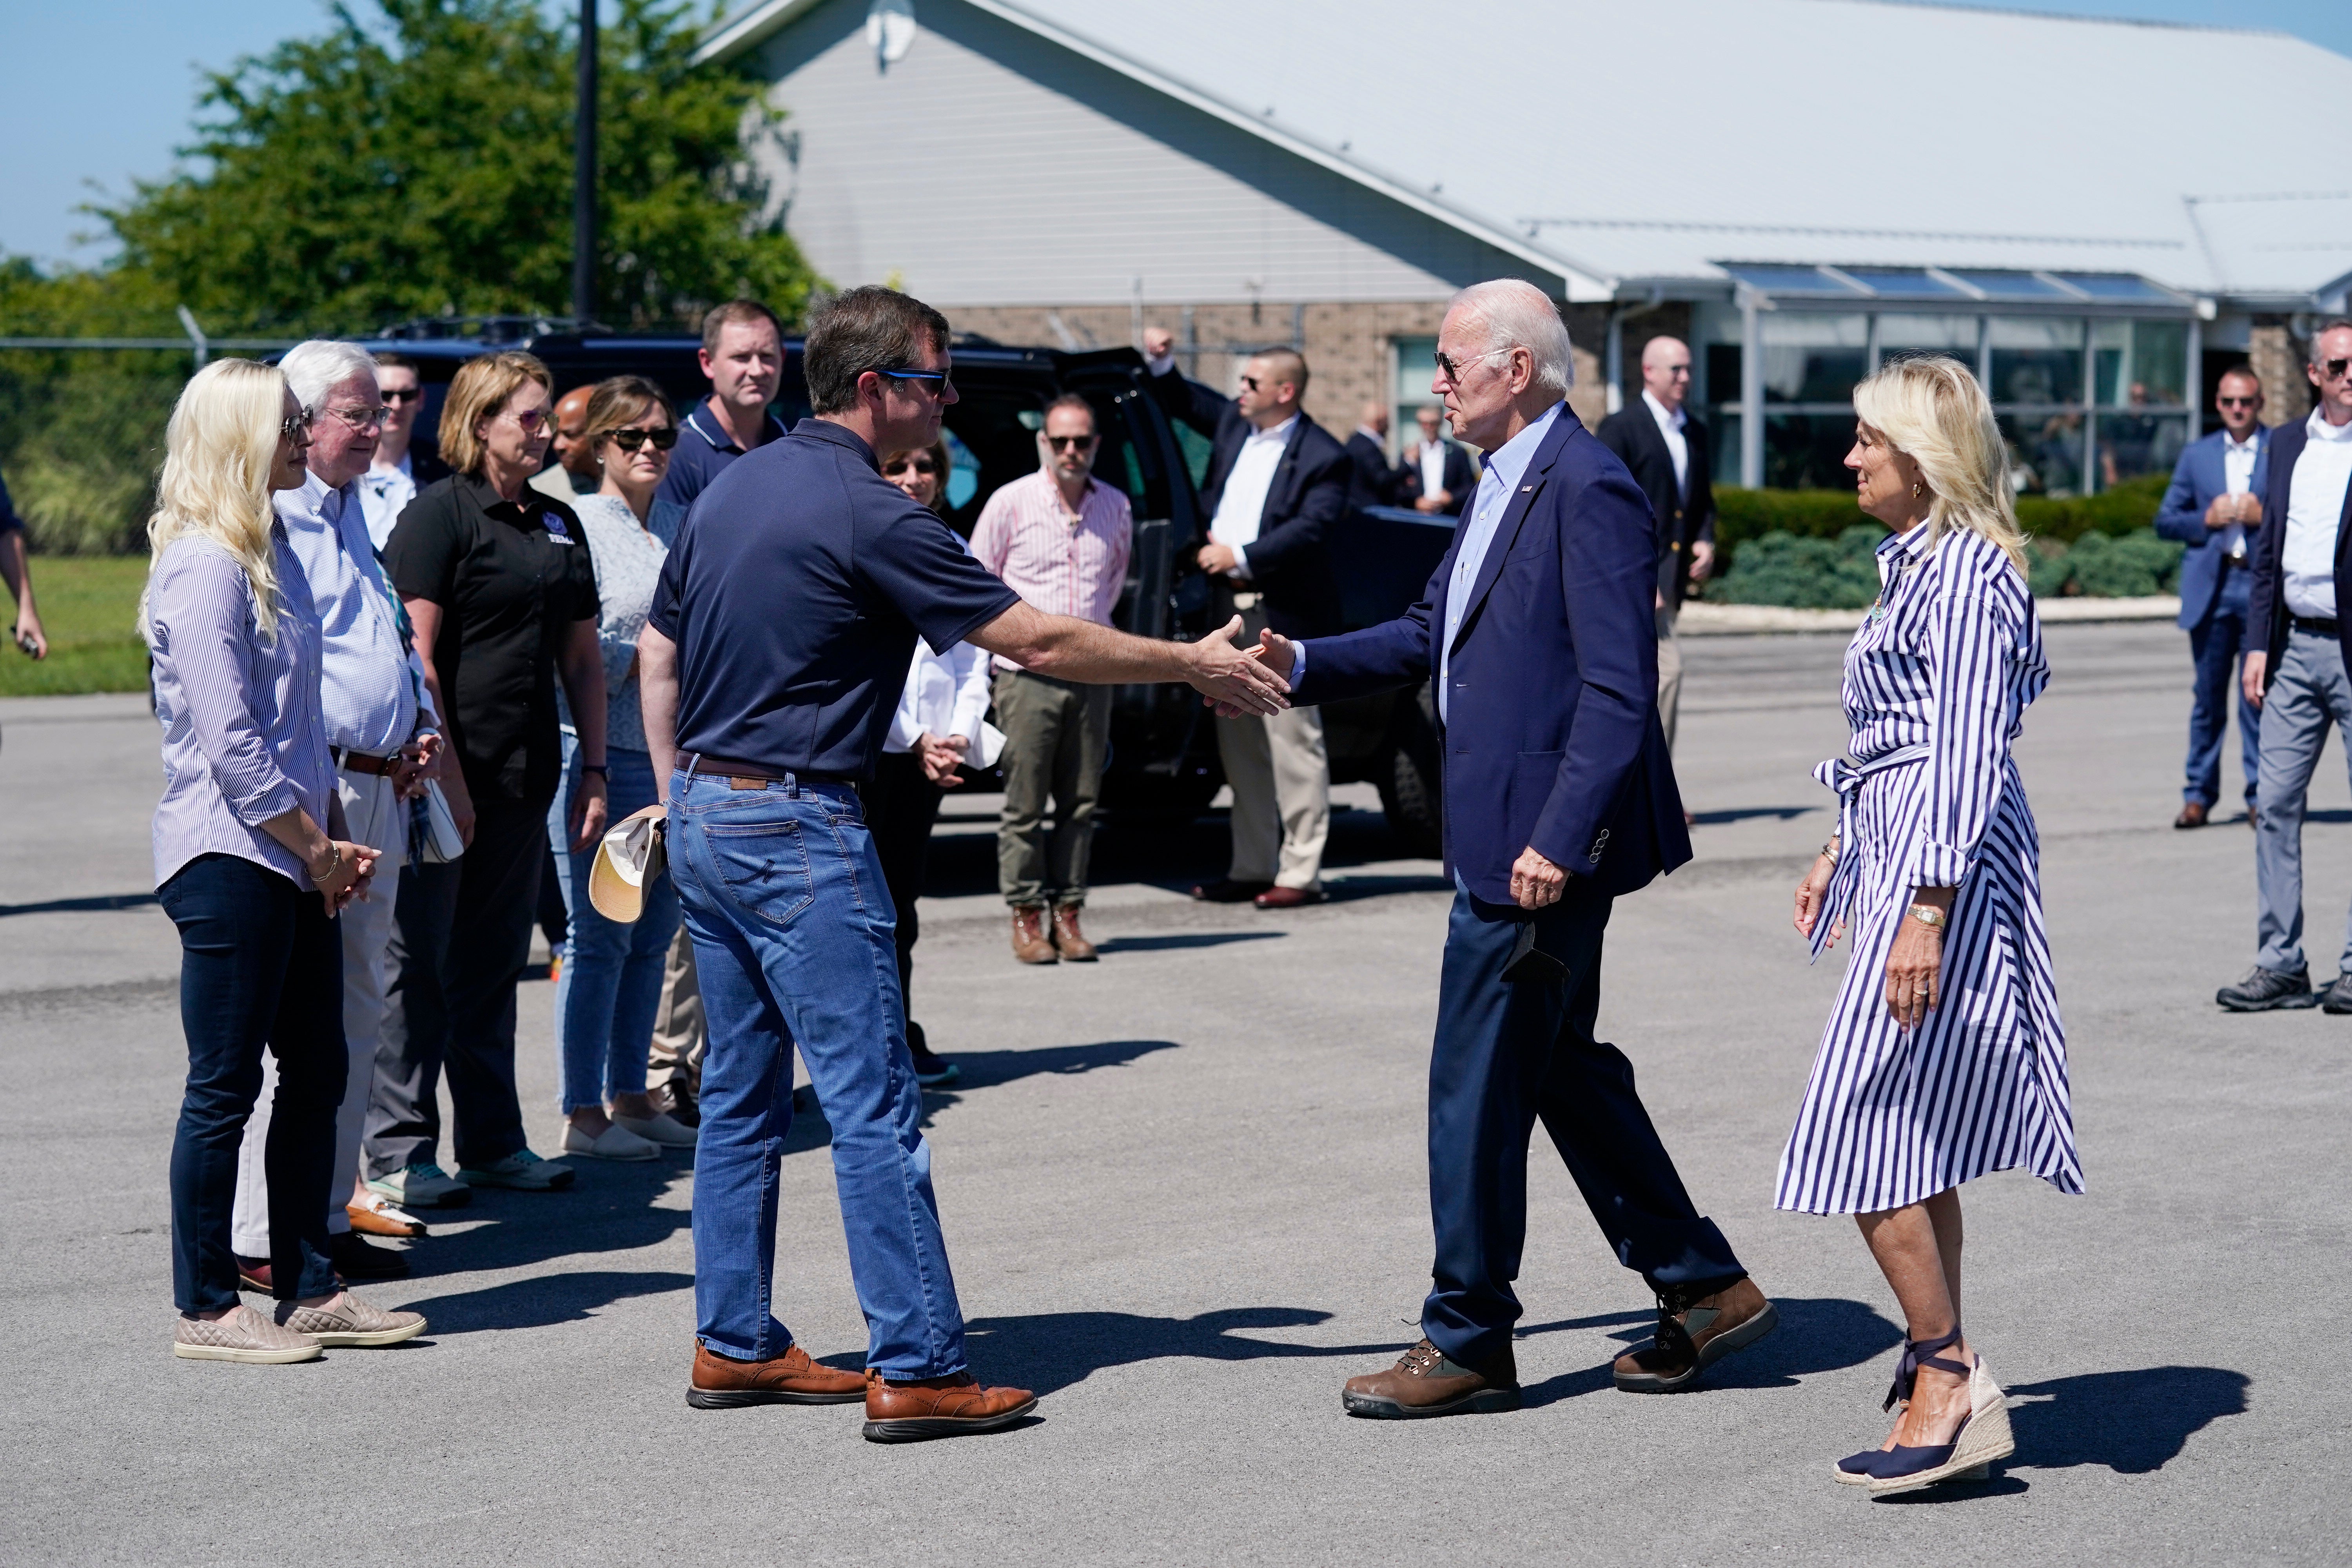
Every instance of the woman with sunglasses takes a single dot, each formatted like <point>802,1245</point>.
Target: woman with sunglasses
<point>940,725</point>
<point>610,985</point>
<point>252,864</point>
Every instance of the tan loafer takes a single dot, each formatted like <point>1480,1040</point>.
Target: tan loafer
<point>349,1323</point>
<point>244,1335</point>
<point>938,1407</point>
<point>723,1382</point>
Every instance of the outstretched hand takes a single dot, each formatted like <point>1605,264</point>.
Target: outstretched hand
<point>1234,679</point>
<point>1275,651</point>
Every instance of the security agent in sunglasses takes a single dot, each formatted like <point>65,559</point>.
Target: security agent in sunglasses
<point>772,664</point>
<point>2214,506</point>
<point>2295,668</point>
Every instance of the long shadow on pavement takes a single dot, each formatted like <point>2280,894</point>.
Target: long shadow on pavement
<point>1051,1350</point>
<point>544,1300</point>
<point>1816,1335</point>
<point>2131,1422</point>
<point>979,1069</point>
<point>610,1207</point>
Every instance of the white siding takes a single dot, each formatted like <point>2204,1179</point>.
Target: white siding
<point>990,167</point>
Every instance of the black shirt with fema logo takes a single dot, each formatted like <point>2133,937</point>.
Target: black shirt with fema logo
<point>510,577</point>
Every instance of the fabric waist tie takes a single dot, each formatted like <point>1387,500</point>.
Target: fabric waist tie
<point>1845,775</point>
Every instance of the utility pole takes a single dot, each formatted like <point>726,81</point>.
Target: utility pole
<point>583,174</point>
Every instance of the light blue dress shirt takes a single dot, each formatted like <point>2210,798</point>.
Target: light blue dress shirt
<point>370,682</point>
<point>1497,485</point>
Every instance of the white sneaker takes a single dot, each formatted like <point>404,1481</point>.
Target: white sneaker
<point>659,1128</point>
<point>615,1142</point>
<point>244,1335</point>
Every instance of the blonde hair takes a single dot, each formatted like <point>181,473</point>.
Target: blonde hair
<point>219,450</point>
<point>1930,408</point>
<point>480,389</point>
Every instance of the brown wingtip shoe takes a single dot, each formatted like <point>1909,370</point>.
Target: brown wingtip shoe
<point>1029,942</point>
<point>723,1382</point>
<point>1694,1333</point>
<point>938,1407</point>
<point>1426,1382</point>
<point>1068,940</point>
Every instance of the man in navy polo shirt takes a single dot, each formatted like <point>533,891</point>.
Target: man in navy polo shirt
<point>768,671</point>
<point>743,355</point>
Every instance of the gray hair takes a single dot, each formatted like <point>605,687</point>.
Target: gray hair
<point>1518,315</point>
<point>316,368</point>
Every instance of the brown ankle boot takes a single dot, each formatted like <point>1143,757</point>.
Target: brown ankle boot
<point>1030,944</point>
<point>1426,1381</point>
<point>1694,1333</point>
<point>1068,940</point>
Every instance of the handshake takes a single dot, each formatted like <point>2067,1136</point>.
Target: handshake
<point>1236,680</point>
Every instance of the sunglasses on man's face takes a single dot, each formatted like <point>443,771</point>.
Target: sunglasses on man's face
<point>2237,402</point>
<point>1070,443</point>
<point>942,391</point>
<point>923,465</point>
<point>2333,370</point>
<point>403,394</point>
<point>1453,371</point>
<point>663,437</point>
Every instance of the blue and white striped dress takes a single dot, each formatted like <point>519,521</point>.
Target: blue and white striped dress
<point>1935,691</point>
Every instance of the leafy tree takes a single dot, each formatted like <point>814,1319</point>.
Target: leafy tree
<point>418,162</point>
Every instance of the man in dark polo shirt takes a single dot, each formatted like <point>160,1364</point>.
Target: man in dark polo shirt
<point>743,355</point>
<point>768,671</point>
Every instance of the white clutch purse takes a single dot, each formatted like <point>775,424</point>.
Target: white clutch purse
<point>432,838</point>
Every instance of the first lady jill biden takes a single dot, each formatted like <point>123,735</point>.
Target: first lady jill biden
<point>1944,1058</point>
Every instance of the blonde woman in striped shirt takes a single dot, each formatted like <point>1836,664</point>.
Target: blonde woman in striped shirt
<point>1944,1057</point>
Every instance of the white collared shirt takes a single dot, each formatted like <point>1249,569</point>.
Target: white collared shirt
<point>2238,478</point>
<point>383,494</point>
<point>1432,465</point>
<point>1496,486</point>
<point>1243,506</point>
<point>1670,425</point>
<point>2315,506</point>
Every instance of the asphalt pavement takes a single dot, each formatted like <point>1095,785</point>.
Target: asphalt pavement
<point>1184,1193</point>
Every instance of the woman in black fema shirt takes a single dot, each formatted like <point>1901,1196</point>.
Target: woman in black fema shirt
<point>498,580</point>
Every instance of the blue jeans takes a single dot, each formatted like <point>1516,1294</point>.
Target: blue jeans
<point>795,940</point>
<point>261,966</point>
<point>610,986</point>
<point>2215,646</point>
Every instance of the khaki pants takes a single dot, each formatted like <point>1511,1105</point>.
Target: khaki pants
<point>674,1054</point>
<point>1281,777</point>
<point>1670,672</point>
<point>376,816</point>
<point>1056,739</point>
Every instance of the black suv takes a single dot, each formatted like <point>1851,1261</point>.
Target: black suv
<point>1163,758</point>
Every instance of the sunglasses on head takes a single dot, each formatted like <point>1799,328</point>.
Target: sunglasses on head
<point>901,465</point>
<point>629,439</point>
<point>1065,443</point>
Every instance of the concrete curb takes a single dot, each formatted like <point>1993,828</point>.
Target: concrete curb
<point>1700,619</point>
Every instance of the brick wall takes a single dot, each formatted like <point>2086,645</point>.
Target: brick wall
<point>1347,345</point>
<point>2278,359</point>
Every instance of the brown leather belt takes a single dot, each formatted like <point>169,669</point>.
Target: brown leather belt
<point>360,762</point>
<point>751,775</point>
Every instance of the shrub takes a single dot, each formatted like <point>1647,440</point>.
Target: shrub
<point>2131,567</point>
<point>1742,515</point>
<point>1783,568</point>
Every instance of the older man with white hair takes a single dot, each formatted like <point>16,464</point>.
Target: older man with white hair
<point>1559,795</point>
<point>381,725</point>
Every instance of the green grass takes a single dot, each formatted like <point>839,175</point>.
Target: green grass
<point>89,608</point>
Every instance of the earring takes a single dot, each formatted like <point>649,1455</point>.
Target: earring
<point>1918,489</point>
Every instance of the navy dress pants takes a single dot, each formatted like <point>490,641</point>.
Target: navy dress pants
<point>2216,646</point>
<point>1508,1052</point>
<point>261,967</point>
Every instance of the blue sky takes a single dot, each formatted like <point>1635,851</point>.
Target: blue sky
<point>103,90</point>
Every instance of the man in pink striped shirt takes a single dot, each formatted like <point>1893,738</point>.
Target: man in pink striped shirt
<point>1060,539</point>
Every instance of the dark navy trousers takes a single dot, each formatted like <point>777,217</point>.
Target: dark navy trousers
<point>2215,646</point>
<point>1508,1053</point>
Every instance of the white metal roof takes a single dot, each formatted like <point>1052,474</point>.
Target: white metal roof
<point>1840,131</point>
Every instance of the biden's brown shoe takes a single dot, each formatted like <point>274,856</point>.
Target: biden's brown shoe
<point>723,1382</point>
<point>1694,1333</point>
<point>938,1407</point>
<point>1426,1381</point>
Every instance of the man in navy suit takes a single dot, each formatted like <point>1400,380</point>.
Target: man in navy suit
<point>1373,482</point>
<point>1436,475</point>
<point>2297,657</point>
<point>2214,503</point>
<point>1559,795</point>
<point>1276,485</point>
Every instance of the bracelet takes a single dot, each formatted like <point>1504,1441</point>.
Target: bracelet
<point>1829,850</point>
<point>1928,915</point>
<point>333,866</point>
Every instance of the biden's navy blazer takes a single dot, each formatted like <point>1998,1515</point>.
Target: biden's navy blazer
<point>1551,737</point>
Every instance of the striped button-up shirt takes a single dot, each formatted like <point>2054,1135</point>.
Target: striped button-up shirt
<point>370,681</point>
<point>242,741</point>
<point>1061,563</point>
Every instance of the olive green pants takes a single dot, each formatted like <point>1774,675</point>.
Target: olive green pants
<point>1056,737</point>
